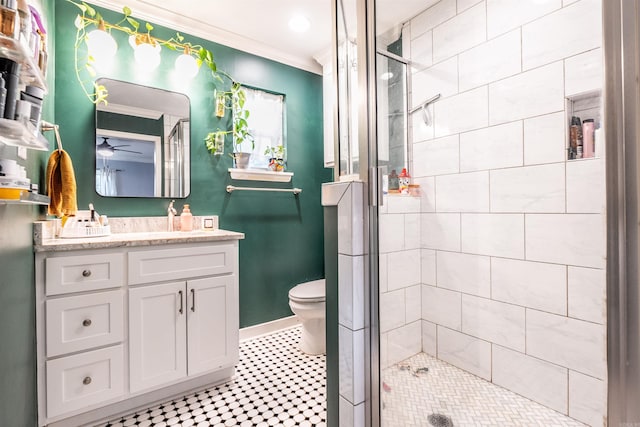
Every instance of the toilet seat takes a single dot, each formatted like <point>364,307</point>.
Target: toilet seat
<point>308,292</point>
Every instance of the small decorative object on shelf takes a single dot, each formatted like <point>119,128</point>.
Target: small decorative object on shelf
<point>276,157</point>
<point>403,181</point>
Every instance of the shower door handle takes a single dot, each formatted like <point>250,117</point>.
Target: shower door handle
<point>375,186</point>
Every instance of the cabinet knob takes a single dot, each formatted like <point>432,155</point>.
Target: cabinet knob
<point>86,322</point>
<point>86,273</point>
<point>86,380</point>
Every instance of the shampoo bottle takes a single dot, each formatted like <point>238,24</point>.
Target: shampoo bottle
<point>186,219</point>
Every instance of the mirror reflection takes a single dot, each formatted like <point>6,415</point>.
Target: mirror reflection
<point>142,142</point>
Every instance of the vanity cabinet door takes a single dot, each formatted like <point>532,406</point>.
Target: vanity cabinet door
<point>212,323</point>
<point>157,335</point>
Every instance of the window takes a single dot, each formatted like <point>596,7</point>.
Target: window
<point>266,124</point>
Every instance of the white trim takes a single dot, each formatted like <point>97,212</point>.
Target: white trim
<point>129,110</point>
<point>260,175</point>
<point>269,327</point>
<point>198,28</point>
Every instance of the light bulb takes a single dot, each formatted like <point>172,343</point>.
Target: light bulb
<point>186,66</point>
<point>101,45</point>
<point>386,76</point>
<point>147,56</point>
<point>299,23</point>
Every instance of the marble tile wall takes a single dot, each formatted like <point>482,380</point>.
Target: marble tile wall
<point>510,263</point>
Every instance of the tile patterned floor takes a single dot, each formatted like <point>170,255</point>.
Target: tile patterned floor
<point>275,385</point>
<point>410,396</point>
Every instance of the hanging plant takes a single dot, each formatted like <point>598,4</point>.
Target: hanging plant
<point>85,66</point>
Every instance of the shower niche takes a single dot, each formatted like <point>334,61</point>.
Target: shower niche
<point>584,140</point>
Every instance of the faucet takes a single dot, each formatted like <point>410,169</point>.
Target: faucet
<point>171,213</point>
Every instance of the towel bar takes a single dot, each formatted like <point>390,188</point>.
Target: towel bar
<point>232,188</point>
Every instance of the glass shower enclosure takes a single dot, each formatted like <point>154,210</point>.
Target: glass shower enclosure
<point>485,283</point>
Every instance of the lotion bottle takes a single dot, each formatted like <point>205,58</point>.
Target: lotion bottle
<point>186,219</point>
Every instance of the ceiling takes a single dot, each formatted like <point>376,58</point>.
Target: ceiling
<point>261,26</point>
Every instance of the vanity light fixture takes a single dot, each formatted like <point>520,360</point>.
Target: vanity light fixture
<point>147,52</point>
<point>186,64</point>
<point>299,23</point>
<point>100,43</point>
<point>146,48</point>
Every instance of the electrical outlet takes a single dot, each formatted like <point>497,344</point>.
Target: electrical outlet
<point>210,222</point>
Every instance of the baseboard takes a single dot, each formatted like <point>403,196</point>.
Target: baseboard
<point>268,327</point>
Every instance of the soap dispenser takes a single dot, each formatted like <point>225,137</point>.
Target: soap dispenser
<point>186,219</point>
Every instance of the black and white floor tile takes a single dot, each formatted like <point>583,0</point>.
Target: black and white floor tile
<point>275,385</point>
<point>424,391</point>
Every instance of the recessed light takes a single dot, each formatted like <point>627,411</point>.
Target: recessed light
<point>299,23</point>
<point>386,76</point>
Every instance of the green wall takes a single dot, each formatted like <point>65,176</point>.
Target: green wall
<point>284,234</point>
<point>17,292</point>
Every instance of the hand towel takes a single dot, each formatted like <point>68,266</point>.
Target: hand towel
<point>61,185</point>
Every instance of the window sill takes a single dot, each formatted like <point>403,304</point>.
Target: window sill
<point>260,175</point>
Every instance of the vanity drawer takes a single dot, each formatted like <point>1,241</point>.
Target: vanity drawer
<point>83,273</point>
<point>181,263</point>
<point>83,322</point>
<point>76,382</point>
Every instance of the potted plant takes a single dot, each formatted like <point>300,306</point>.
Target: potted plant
<point>239,128</point>
<point>276,157</point>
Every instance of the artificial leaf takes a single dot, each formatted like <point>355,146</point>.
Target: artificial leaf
<point>179,37</point>
<point>135,24</point>
<point>90,11</point>
<point>149,26</point>
<point>79,24</point>
<point>82,7</point>
<point>127,11</point>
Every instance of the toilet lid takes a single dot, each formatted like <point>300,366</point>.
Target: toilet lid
<point>309,291</point>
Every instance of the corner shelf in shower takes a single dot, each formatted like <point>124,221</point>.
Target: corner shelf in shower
<point>260,175</point>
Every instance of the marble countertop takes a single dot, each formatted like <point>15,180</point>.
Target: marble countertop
<point>44,241</point>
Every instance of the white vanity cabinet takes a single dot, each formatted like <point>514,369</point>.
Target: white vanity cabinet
<point>179,329</point>
<point>122,327</point>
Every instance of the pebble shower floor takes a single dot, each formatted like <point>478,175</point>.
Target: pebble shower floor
<point>275,385</point>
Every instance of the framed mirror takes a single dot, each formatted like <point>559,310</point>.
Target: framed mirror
<point>142,142</point>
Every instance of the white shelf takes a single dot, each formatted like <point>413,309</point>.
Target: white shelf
<point>30,74</point>
<point>260,175</point>
<point>27,198</point>
<point>17,134</point>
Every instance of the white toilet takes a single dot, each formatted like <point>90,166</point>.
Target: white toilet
<point>307,301</point>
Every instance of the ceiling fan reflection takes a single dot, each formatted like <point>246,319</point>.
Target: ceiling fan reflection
<point>107,150</point>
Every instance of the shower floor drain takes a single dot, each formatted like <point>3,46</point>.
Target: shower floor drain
<point>439,420</point>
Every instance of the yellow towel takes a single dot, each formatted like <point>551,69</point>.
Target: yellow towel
<point>61,185</point>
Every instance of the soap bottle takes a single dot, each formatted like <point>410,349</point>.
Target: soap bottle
<point>186,219</point>
<point>394,185</point>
